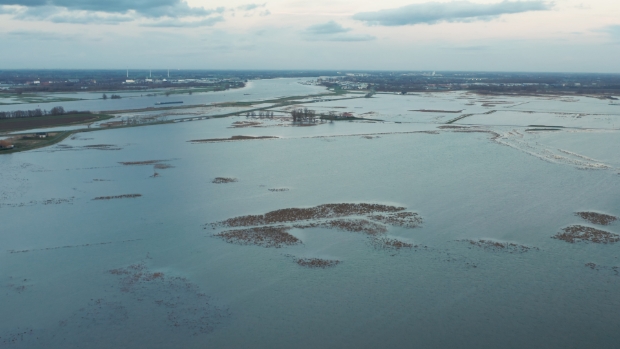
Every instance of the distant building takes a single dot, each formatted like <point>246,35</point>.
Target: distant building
<point>6,145</point>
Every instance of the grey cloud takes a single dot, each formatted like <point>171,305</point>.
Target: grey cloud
<point>40,35</point>
<point>147,8</point>
<point>350,37</point>
<point>332,31</point>
<point>181,24</point>
<point>613,31</point>
<point>89,18</point>
<point>59,15</point>
<point>265,13</point>
<point>250,7</point>
<point>330,27</point>
<point>456,11</point>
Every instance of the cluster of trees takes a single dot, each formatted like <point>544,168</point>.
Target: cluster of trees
<point>111,97</point>
<point>305,114</point>
<point>37,113</point>
<point>261,114</point>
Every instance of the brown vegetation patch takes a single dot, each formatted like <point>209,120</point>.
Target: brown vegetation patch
<point>352,225</point>
<point>147,162</point>
<point>162,166</point>
<point>240,124</point>
<point>615,270</point>
<point>102,147</point>
<point>260,236</point>
<point>580,233</point>
<point>401,219</point>
<point>223,180</point>
<point>70,246</point>
<point>278,189</point>
<point>501,246</point>
<point>597,218</point>
<point>385,243</point>
<point>124,196</point>
<point>438,111</point>
<point>233,138</point>
<point>452,127</point>
<point>174,300</point>
<point>300,214</point>
<point>317,263</point>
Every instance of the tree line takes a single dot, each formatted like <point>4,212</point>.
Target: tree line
<point>38,112</point>
<point>261,114</point>
<point>305,114</point>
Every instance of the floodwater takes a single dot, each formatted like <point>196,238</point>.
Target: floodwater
<point>253,91</point>
<point>78,272</point>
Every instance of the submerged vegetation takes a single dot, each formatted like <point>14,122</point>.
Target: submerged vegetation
<point>580,233</point>
<point>597,218</point>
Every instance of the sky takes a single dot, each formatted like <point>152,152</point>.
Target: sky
<point>475,35</point>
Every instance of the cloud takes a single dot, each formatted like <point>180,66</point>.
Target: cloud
<point>456,11</point>
<point>146,8</point>
<point>613,31</point>
<point>250,7</point>
<point>40,35</point>
<point>58,15</point>
<point>332,31</point>
<point>182,24</point>
<point>330,27</point>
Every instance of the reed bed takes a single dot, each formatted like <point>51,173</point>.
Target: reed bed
<point>580,233</point>
<point>302,214</point>
<point>351,225</point>
<point>233,138</point>
<point>385,243</point>
<point>317,263</point>
<point>509,247</point>
<point>184,306</point>
<point>401,219</point>
<point>597,218</point>
<point>241,124</point>
<point>162,166</point>
<point>124,196</point>
<point>223,180</point>
<point>260,236</point>
<point>139,163</point>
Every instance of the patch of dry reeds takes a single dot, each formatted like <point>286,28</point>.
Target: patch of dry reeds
<point>233,138</point>
<point>124,196</point>
<point>385,243</point>
<point>317,263</point>
<point>301,214</point>
<point>509,247</point>
<point>597,218</point>
<point>223,180</point>
<point>580,233</point>
<point>146,162</point>
<point>260,236</point>
<point>351,225</point>
<point>402,219</point>
<point>162,166</point>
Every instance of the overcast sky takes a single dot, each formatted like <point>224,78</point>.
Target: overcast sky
<point>483,35</point>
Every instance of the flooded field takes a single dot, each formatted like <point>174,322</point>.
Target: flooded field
<point>489,231</point>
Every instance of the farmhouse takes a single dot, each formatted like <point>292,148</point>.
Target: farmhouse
<point>6,145</point>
